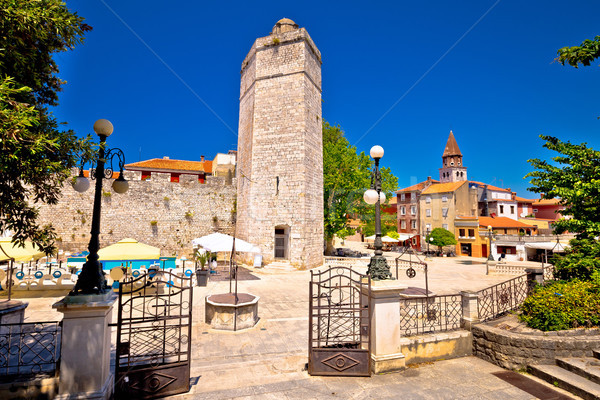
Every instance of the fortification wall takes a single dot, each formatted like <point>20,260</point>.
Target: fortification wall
<point>157,212</point>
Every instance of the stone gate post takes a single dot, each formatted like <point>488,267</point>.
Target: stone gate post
<point>85,347</point>
<point>470,310</point>
<point>386,352</point>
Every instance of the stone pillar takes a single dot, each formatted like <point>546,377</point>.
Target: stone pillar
<point>470,309</point>
<point>535,276</point>
<point>386,352</point>
<point>85,347</point>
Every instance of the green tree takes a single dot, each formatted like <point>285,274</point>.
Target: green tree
<point>346,176</point>
<point>440,237</point>
<point>574,178</point>
<point>35,156</point>
<point>584,54</point>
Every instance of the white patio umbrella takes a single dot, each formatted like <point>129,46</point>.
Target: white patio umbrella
<point>217,242</point>
<point>384,239</point>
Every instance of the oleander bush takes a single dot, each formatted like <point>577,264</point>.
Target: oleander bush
<point>563,305</point>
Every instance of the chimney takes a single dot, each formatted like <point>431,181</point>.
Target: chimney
<point>428,179</point>
<point>201,158</point>
<point>165,157</point>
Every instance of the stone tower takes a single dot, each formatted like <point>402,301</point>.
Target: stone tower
<point>280,147</point>
<point>453,169</point>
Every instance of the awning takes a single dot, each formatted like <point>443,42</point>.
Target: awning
<point>217,242</point>
<point>555,247</point>
<point>129,249</point>
<point>22,254</point>
<point>405,236</point>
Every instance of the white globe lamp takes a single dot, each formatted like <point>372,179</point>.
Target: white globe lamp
<point>376,152</point>
<point>370,196</point>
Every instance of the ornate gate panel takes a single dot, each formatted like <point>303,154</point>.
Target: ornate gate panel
<point>154,336</point>
<point>339,323</point>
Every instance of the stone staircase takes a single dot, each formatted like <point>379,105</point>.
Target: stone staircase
<point>578,375</point>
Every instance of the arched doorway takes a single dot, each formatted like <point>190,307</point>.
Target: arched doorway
<point>282,235</point>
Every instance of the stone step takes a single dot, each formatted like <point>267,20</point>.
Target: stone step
<point>596,353</point>
<point>587,367</point>
<point>564,379</point>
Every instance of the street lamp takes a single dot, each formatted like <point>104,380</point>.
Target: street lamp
<point>427,239</point>
<point>378,267</point>
<point>91,279</point>
<point>490,258</point>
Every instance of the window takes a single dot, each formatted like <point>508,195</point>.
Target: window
<point>146,175</point>
<point>461,232</point>
<point>174,177</point>
<point>428,212</point>
<point>471,232</point>
<point>428,199</point>
<point>413,224</point>
<point>414,241</point>
<point>403,210</point>
<point>413,210</point>
<point>501,209</point>
<point>402,197</point>
<point>403,224</point>
<point>444,212</point>
<point>445,226</point>
<point>413,196</point>
<point>535,210</point>
<point>512,209</point>
<point>444,198</point>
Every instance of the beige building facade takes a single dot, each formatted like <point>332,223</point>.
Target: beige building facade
<point>280,148</point>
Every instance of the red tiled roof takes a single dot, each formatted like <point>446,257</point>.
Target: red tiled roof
<point>546,202</point>
<point>443,187</point>
<point>418,186</point>
<point>171,165</point>
<point>524,200</point>
<point>491,187</point>
<point>501,222</point>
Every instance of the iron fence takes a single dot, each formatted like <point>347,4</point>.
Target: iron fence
<point>503,297</point>
<point>29,349</point>
<point>430,314</point>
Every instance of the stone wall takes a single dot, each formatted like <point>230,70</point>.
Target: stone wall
<point>157,212</point>
<point>516,350</point>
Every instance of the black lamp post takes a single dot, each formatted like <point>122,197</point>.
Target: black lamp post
<point>91,279</point>
<point>378,267</point>
<point>490,257</point>
<point>427,238</point>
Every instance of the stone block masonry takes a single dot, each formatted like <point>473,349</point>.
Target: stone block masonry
<point>280,159</point>
<point>157,212</point>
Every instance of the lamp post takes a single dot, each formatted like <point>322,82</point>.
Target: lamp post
<point>490,258</point>
<point>427,239</point>
<point>91,279</point>
<point>378,267</point>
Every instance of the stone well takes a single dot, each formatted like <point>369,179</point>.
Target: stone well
<point>224,311</point>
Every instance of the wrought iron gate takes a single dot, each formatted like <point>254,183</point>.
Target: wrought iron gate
<point>339,323</point>
<point>154,336</point>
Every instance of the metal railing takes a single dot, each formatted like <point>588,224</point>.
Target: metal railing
<point>29,349</point>
<point>503,297</point>
<point>430,314</point>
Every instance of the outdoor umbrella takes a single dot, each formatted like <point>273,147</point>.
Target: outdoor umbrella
<point>217,242</point>
<point>384,239</point>
<point>129,249</point>
<point>18,253</point>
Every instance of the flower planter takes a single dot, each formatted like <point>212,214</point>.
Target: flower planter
<point>202,277</point>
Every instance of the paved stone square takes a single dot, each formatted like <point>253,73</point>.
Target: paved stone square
<point>268,361</point>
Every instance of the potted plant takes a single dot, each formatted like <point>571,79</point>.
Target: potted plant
<point>201,273</point>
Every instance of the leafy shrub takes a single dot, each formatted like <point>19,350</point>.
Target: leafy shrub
<point>563,305</point>
<point>579,262</point>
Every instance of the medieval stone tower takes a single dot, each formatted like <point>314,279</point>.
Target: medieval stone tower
<point>453,169</point>
<point>280,147</point>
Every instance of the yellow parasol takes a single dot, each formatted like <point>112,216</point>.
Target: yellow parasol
<point>22,254</point>
<point>129,249</point>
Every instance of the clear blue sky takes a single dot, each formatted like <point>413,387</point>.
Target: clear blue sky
<point>399,74</point>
